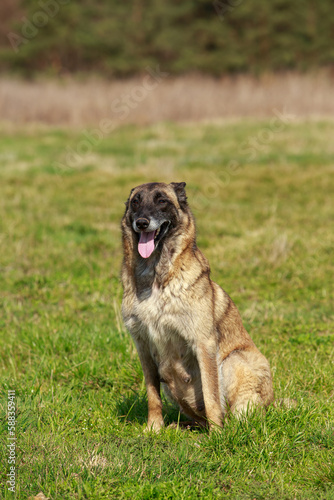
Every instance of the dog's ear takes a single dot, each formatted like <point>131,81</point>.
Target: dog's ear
<point>180,192</point>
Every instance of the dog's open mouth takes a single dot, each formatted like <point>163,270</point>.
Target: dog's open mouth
<point>148,241</point>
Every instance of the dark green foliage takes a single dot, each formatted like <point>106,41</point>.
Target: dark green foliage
<point>122,38</point>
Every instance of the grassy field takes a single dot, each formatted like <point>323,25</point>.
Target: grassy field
<point>263,200</point>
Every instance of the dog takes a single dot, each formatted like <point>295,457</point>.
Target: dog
<point>187,330</point>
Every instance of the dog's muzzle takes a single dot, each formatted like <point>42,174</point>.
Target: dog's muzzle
<point>151,231</point>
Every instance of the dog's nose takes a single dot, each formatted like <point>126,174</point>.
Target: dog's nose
<point>142,223</point>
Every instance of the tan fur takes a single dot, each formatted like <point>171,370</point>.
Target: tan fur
<point>187,330</point>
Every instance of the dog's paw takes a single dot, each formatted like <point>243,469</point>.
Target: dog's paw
<point>215,427</point>
<point>285,403</point>
<point>154,426</point>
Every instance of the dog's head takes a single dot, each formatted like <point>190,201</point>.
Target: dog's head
<point>153,211</point>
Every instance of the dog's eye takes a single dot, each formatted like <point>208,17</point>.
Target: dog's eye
<point>135,203</point>
<point>161,201</point>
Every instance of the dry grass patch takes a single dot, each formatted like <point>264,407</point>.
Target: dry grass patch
<point>189,98</point>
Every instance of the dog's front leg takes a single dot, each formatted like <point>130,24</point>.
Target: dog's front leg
<point>207,360</point>
<point>155,419</point>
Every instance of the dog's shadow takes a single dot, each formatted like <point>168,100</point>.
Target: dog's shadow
<point>134,409</point>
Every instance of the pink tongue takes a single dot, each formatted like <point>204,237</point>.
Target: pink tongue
<point>146,244</point>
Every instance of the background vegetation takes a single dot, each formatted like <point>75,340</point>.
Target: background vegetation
<point>81,404</point>
<point>122,38</point>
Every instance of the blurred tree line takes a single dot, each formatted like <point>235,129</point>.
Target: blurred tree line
<point>123,38</point>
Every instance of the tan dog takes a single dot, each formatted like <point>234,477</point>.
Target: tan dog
<point>187,330</point>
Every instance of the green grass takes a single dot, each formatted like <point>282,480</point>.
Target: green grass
<point>267,230</point>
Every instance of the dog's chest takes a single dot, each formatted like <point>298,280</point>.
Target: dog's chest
<point>164,312</point>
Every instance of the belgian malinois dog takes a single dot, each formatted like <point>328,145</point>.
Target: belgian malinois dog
<point>187,330</point>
